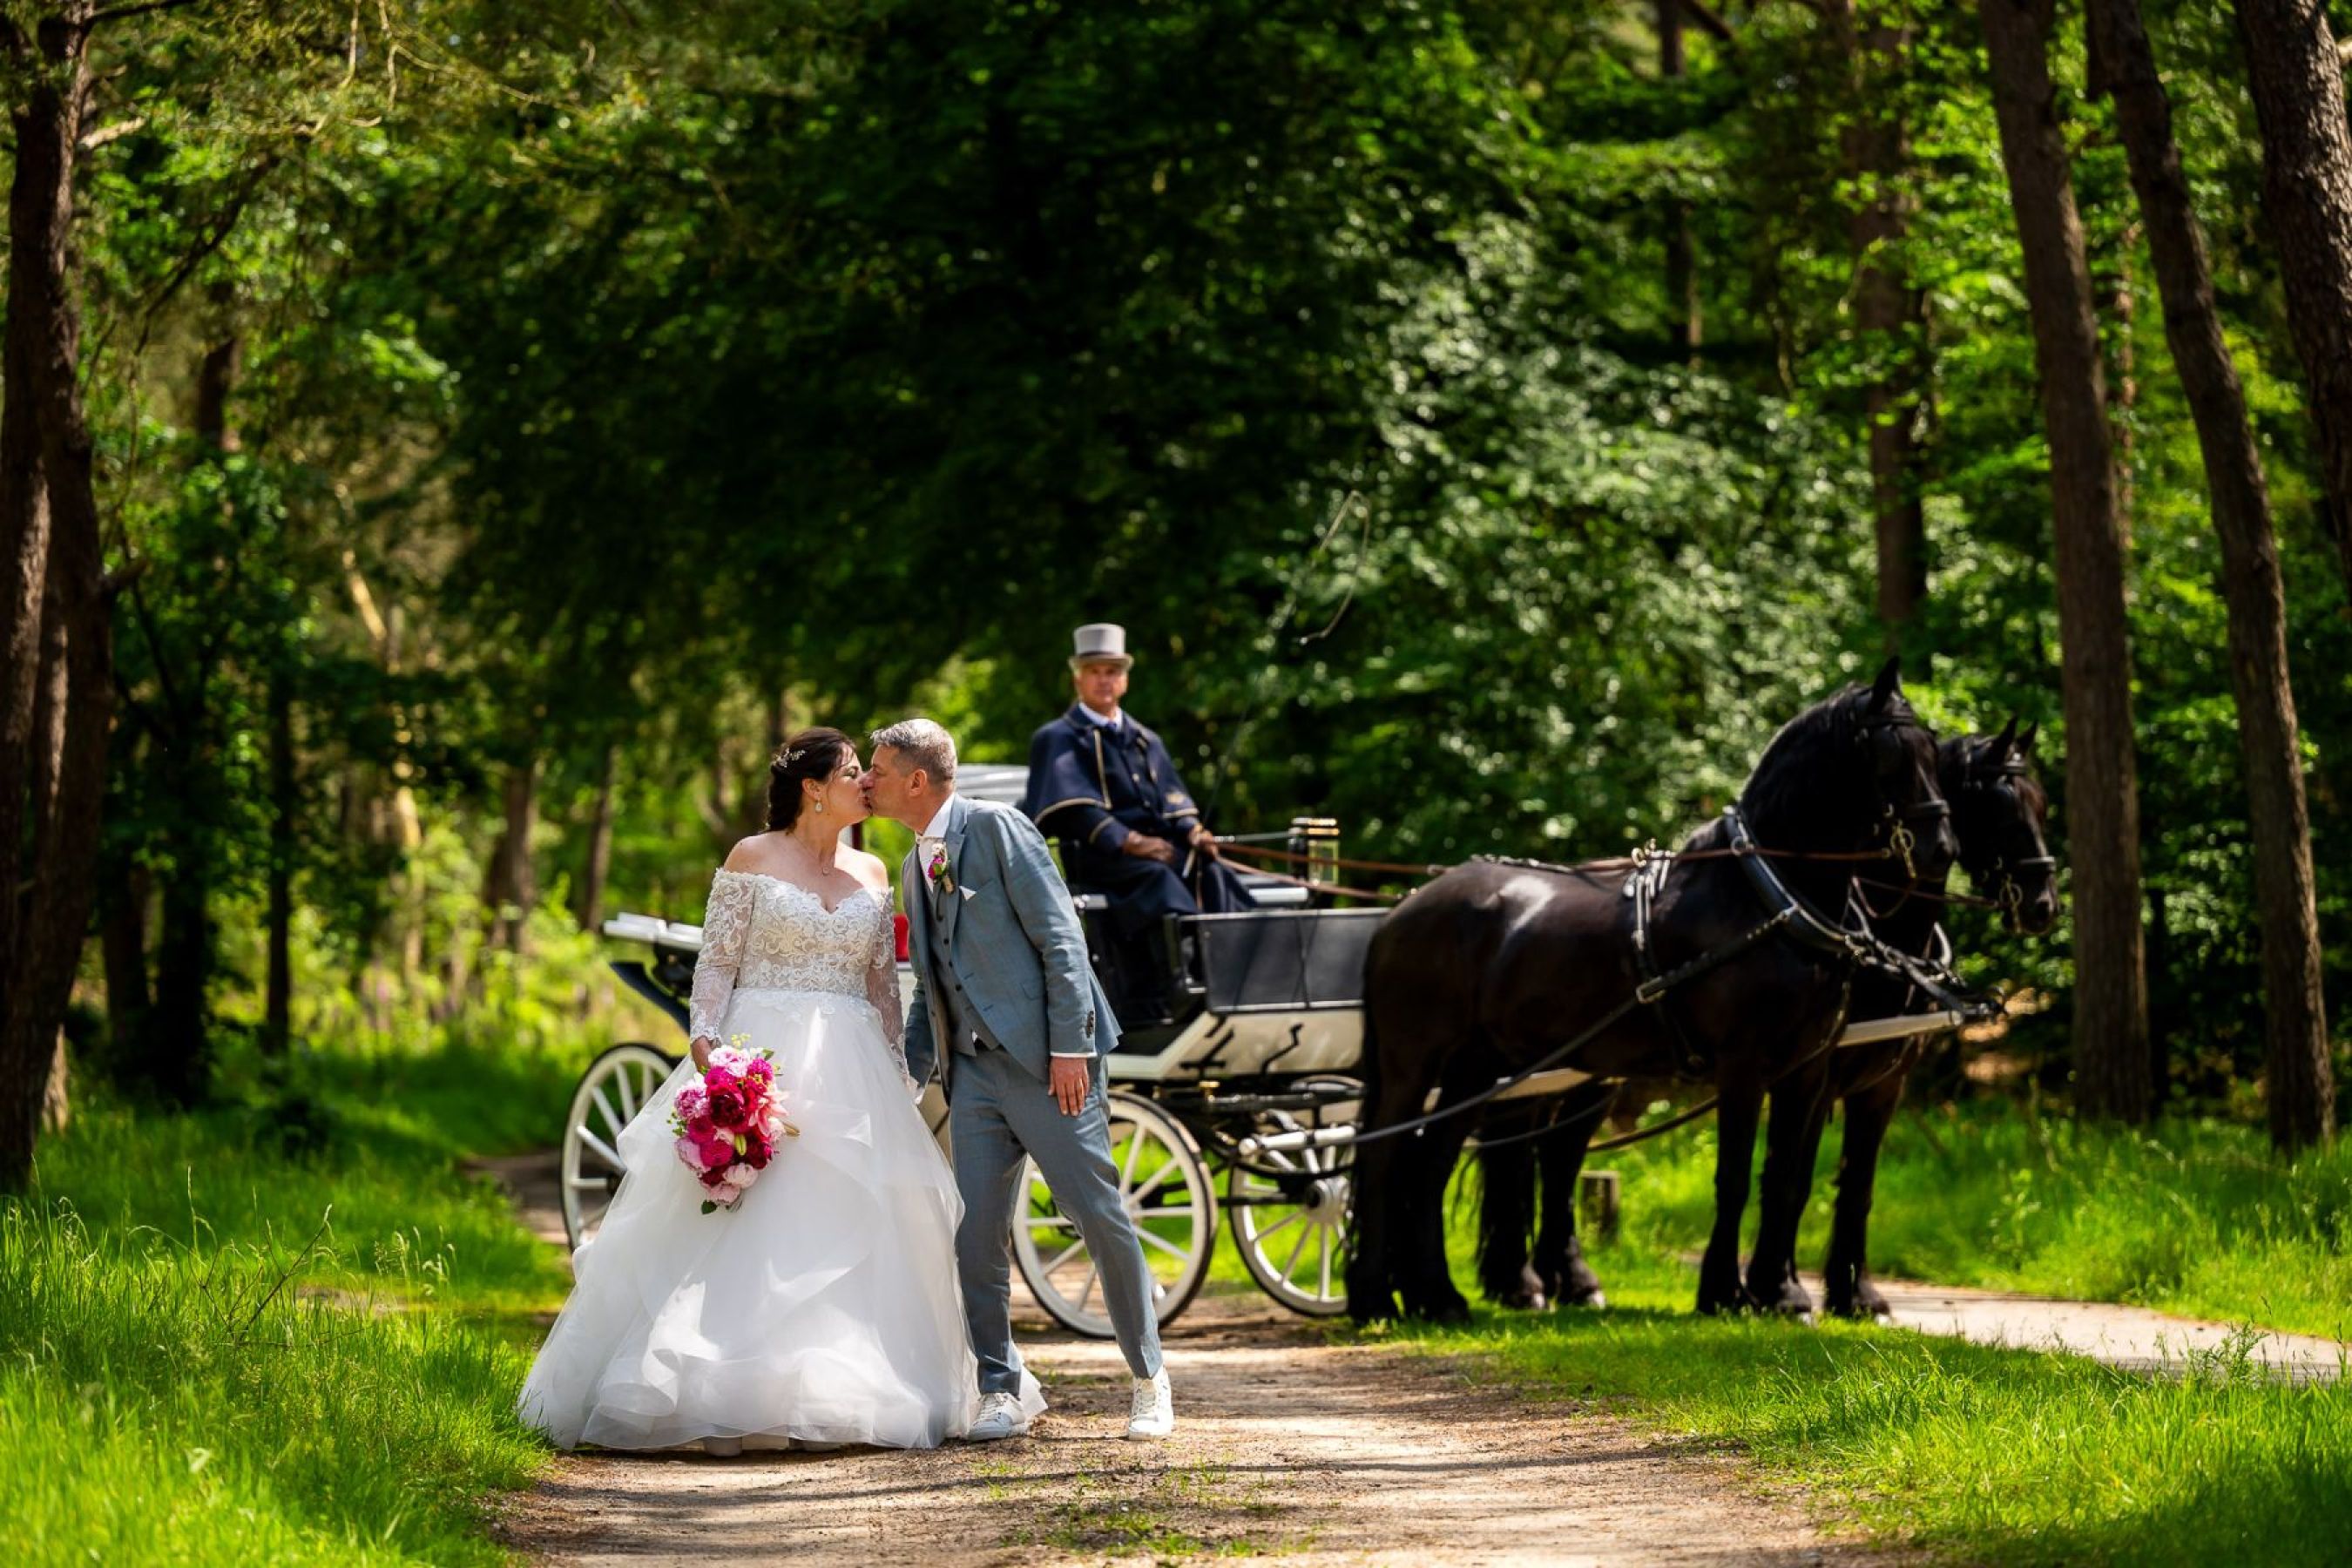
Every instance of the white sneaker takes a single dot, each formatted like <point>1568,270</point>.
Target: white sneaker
<point>1154,1412</point>
<point>1001,1415</point>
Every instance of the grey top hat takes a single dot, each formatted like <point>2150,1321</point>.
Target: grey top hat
<point>1101,641</point>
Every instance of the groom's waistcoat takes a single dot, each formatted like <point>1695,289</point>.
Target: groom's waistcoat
<point>964,1020</point>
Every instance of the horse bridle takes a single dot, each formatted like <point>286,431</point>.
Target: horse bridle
<point>2008,894</point>
<point>1895,821</point>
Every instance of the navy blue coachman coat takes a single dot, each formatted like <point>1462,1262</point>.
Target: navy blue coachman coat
<point>1092,786</point>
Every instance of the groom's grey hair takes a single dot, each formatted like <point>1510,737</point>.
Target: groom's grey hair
<point>925,743</point>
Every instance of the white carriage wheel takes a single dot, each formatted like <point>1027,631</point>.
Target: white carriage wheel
<point>610,1091</point>
<point>1165,1185</point>
<point>1292,1231</point>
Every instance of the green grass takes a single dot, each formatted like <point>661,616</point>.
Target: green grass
<point>1977,1454</point>
<point>2196,1217</point>
<point>284,1329</point>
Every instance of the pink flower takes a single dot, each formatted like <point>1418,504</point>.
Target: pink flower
<point>725,1196</point>
<point>718,1079</point>
<point>727,1108</point>
<point>761,1070</point>
<point>691,1102</point>
<point>717,1151</point>
<point>740,1177</point>
<point>689,1153</point>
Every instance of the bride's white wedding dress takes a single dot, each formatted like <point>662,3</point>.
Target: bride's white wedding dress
<point>824,1308</point>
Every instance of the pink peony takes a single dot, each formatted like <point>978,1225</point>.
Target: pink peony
<point>717,1149</point>
<point>761,1070</point>
<point>728,1108</point>
<point>691,1102</point>
<point>689,1153</point>
<point>741,1175</point>
<point>718,1079</point>
<point>725,1196</point>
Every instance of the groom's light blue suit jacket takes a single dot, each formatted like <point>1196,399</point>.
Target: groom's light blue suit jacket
<point>1016,952</point>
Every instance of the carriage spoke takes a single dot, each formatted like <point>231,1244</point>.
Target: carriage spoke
<point>625,1083</point>
<point>1325,1290</point>
<point>1293,1217</point>
<point>1291,1262</point>
<point>1134,1151</point>
<point>1164,1244</point>
<point>1050,1222</point>
<point>1135,1199</point>
<point>1065,1255</point>
<point>1087,1294</point>
<point>593,1184</point>
<point>606,1106</point>
<point>601,1150</point>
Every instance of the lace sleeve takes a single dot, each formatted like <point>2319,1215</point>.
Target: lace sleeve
<point>726,923</point>
<point>882,990</point>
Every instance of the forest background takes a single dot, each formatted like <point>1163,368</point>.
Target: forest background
<point>1490,420</point>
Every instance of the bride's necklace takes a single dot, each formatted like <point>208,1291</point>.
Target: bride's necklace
<point>824,863</point>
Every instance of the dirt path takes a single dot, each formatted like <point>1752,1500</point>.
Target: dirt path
<point>2133,1338</point>
<point>1285,1447</point>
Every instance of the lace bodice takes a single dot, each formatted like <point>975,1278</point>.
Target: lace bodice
<point>763,933</point>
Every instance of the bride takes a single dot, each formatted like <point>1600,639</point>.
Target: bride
<point>821,1308</point>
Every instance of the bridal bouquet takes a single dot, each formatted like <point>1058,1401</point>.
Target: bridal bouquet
<point>729,1123</point>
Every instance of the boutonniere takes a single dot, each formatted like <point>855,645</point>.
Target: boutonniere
<point>938,870</point>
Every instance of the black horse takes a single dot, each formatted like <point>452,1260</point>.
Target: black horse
<point>1999,811</point>
<point>1494,966</point>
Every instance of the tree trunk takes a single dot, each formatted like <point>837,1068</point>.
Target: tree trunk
<point>513,887</point>
<point>2301,1085</point>
<point>1875,151</point>
<point>285,802</point>
<point>177,1064</point>
<point>2116,305</point>
<point>1681,266</point>
<point>2297,81</point>
<point>52,782</point>
<point>57,1099</point>
<point>2110,1036</point>
<point>600,846</point>
<point>122,949</point>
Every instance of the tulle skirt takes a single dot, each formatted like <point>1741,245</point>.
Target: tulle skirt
<point>824,1308</point>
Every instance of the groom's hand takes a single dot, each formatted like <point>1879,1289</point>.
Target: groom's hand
<point>1070,1079</point>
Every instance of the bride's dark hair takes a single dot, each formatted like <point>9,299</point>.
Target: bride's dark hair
<point>810,754</point>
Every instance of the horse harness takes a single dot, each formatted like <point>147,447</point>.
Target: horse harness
<point>1849,947</point>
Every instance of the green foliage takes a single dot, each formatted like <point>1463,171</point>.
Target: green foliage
<point>640,384</point>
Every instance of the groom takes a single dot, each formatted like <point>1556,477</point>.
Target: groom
<point>1007,1010</point>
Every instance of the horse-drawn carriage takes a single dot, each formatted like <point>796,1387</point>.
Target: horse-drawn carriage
<point>1241,1099</point>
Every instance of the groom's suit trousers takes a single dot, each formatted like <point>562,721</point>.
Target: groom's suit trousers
<point>1000,1112</point>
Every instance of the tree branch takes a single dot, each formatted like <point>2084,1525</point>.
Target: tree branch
<point>117,12</point>
<point>1713,25</point>
<point>114,132</point>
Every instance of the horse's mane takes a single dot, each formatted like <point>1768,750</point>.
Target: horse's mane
<point>1787,782</point>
